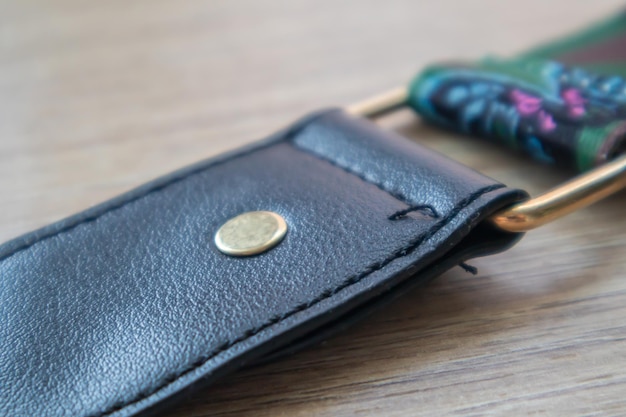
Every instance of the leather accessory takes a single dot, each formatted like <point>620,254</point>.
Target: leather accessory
<point>129,304</point>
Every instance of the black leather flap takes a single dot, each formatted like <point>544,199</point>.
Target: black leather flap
<point>117,308</point>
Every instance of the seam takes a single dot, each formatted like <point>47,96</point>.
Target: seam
<point>395,194</point>
<point>401,252</point>
<point>288,138</point>
<point>425,209</point>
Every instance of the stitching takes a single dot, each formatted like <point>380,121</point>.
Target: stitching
<point>425,209</point>
<point>403,251</point>
<point>395,194</point>
<point>468,268</point>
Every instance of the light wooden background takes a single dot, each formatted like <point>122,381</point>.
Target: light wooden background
<point>99,97</point>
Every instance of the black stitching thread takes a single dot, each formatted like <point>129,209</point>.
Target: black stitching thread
<point>468,268</point>
<point>404,251</point>
<point>424,209</point>
<point>274,320</point>
<point>395,194</point>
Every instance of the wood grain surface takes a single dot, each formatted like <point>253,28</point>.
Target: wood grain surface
<point>99,97</point>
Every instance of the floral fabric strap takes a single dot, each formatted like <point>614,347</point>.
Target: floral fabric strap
<point>563,103</point>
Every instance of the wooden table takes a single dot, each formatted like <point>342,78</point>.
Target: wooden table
<point>99,97</point>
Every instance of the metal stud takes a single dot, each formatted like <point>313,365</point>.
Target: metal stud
<point>251,233</point>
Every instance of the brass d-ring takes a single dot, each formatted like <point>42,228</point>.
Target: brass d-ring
<point>575,194</point>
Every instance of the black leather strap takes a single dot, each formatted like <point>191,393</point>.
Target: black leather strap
<point>116,309</point>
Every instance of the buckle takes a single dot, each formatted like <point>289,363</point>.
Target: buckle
<point>579,192</point>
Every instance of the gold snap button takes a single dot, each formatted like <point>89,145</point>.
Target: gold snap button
<point>251,233</point>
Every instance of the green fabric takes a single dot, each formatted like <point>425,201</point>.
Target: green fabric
<point>590,141</point>
<point>563,103</point>
<point>601,32</point>
<point>607,68</point>
<point>611,27</point>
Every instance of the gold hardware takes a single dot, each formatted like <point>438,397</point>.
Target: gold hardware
<point>251,233</point>
<point>564,199</point>
<point>380,104</point>
<point>573,195</point>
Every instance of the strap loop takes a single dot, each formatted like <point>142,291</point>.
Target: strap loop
<point>573,195</point>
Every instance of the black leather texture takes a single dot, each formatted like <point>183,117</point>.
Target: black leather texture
<point>114,310</point>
